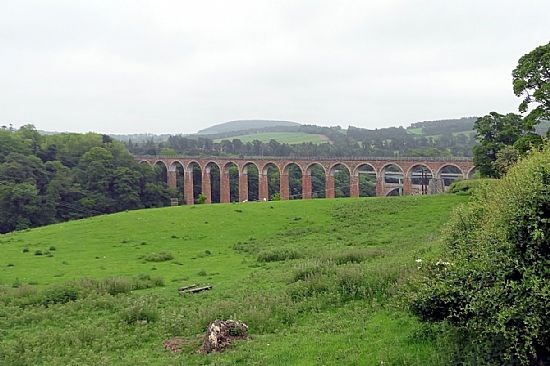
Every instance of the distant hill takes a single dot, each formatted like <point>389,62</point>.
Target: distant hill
<point>281,137</point>
<point>429,128</point>
<point>243,125</point>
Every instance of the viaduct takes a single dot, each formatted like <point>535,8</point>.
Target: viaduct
<point>398,176</point>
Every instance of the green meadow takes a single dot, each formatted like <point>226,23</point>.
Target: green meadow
<point>281,137</point>
<point>319,282</point>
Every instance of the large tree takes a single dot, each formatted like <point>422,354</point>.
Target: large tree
<point>532,81</point>
<point>496,131</point>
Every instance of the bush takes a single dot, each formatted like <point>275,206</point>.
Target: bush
<point>467,187</point>
<point>59,295</point>
<point>159,257</point>
<point>278,254</point>
<point>494,288</point>
<point>201,198</point>
<point>118,285</point>
<point>38,252</point>
<point>308,269</point>
<point>351,283</point>
<point>356,255</point>
<point>139,312</point>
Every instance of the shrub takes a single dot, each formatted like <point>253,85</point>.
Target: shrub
<point>308,269</point>
<point>467,187</point>
<point>312,285</point>
<point>25,249</point>
<point>139,312</point>
<point>59,295</point>
<point>494,288</point>
<point>118,284</point>
<point>355,255</point>
<point>52,248</point>
<point>350,281</point>
<point>159,257</point>
<point>201,198</point>
<point>278,254</point>
<point>38,252</point>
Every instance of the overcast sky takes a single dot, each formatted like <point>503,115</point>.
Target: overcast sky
<point>179,66</point>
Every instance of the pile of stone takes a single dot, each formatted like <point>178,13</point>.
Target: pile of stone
<point>221,333</point>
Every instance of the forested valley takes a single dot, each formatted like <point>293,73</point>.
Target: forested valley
<point>51,178</point>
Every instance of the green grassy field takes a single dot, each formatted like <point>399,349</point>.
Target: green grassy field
<point>415,131</point>
<point>282,137</point>
<point>319,282</point>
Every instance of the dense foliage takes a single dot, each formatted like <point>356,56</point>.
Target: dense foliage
<point>532,81</point>
<point>493,287</point>
<point>496,132</point>
<point>504,138</point>
<point>47,179</point>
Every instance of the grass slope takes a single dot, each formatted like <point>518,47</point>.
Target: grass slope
<point>282,137</point>
<point>318,282</point>
<point>245,125</point>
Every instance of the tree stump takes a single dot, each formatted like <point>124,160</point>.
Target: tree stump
<point>220,334</point>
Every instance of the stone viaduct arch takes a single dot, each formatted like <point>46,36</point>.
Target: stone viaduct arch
<point>403,175</point>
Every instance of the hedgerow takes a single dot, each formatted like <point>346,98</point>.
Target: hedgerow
<point>493,288</point>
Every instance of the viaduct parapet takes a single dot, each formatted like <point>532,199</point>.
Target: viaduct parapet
<point>399,176</point>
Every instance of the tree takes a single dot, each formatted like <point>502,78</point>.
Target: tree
<point>505,159</point>
<point>494,131</point>
<point>19,208</point>
<point>532,81</point>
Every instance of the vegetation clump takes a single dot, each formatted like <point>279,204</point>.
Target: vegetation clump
<point>139,312</point>
<point>468,187</point>
<point>59,295</point>
<point>159,257</point>
<point>494,287</point>
<point>278,254</point>
<point>24,295</point>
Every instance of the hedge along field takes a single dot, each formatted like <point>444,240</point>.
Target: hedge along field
<point>317,281</point>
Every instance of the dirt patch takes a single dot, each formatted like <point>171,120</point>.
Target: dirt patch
<point>174,344</point>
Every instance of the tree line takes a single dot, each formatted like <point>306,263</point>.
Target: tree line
<point>46,179</point>
<point>393,141</point>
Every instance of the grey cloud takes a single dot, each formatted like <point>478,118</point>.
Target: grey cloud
<point>177,66</point>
